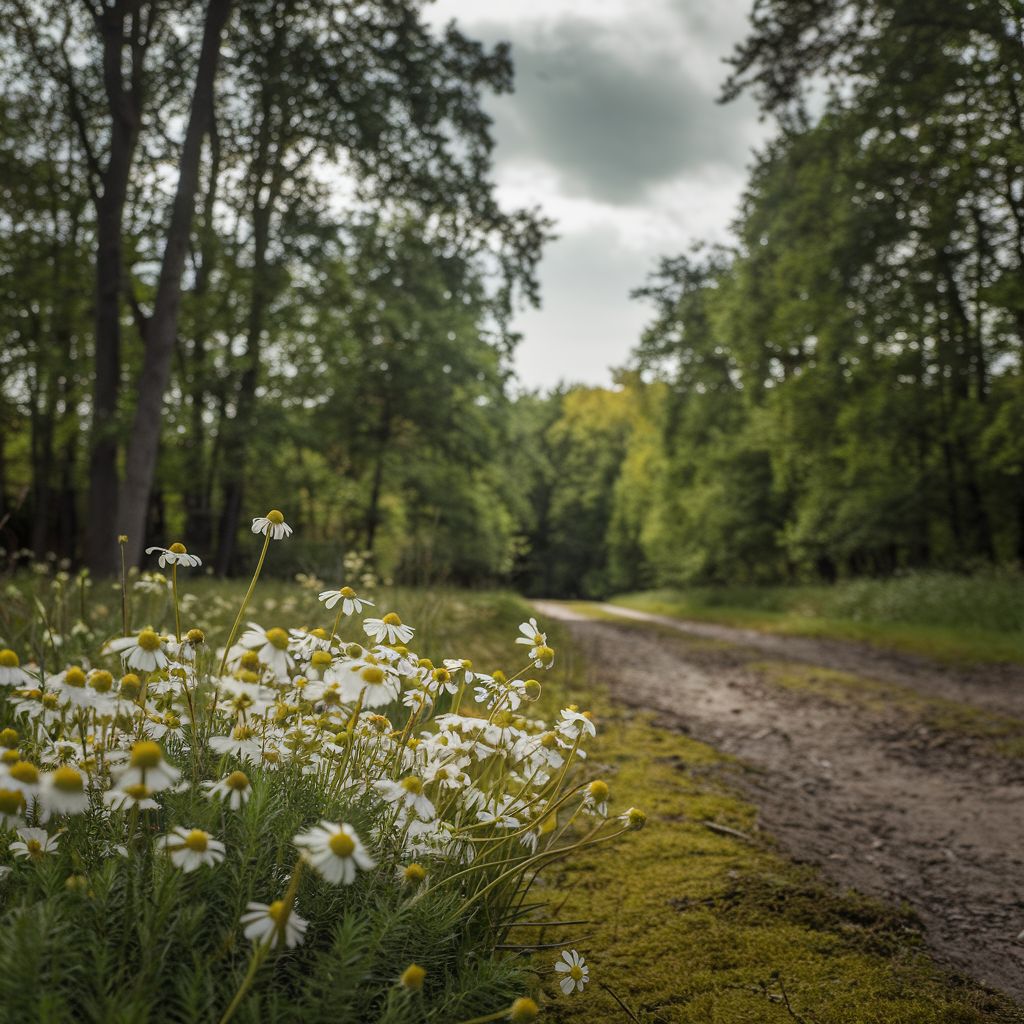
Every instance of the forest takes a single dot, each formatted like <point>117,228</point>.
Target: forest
<point>834,392</point>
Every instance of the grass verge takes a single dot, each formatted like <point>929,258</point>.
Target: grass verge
<point>834,613</point>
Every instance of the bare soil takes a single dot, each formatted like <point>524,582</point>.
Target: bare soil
<point>887,807</point>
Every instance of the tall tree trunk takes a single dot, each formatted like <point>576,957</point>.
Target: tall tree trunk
<point>161,329</point>
<point>115,25</point>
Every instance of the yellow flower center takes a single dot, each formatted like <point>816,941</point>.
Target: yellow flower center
<point>74,676</point>
<point>342,844</point>
<point>102,681</point>
<point>35,848</point>
<point>178,548</point>
<point>25,772</point>
<point>415,873</point>
<point>576,972</point>
<point>195,636</point>
<point>347,592</point>
<point>321,659</point>
<point>372,675</point>
<point>238,781</point>
<point>353,650</point>
<point>523,1011</point>
<point>545,655</point>
<point>391,619</point>
<point>278,912</point>
<point>277,638</point>
<point>8,738</point>
<point>50,701</point>
<point>148,640</point>
<point>197,840</point>
<point>412,977</point>
<point>137,791</point>
<point>67,780</point>
<point>146,754</point>
<point>441,675</point>
<point>598,791</point>
<point>11,801</point>
<point>538,639</point>
<point>130,686</point>
<point>277,518</point>
<point>8,659</point>
<point>412,784</point>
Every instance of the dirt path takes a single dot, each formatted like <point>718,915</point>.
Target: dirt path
<point>892,811</point>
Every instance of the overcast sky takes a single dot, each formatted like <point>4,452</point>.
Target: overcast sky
<point>614,132</point>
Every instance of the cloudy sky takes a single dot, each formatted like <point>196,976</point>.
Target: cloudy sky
<point>614,131</point>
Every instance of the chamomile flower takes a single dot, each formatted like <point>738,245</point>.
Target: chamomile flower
<point>596,798</point>
<point>271,646</point>
<point>408,794</point>
<point>350,600</point>
<point>572,724</point>
<point>11,672</point>
<point>34,843</point>
<point>190,849</point>
<point>12,805</point>
<point>576,972</point>
<point>176,554</point>
<point>275,922</point>
<point>390,629</point>
<point>147,767</point>
<point>144,652</point>
<point>234,789</point>
<point>63,791</point>
<point>335,851</point>
<point>531,635</point>
<point>273,524</point>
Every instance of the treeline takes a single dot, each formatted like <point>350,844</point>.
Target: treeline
<point>839,391</point>
<point>251,256</point>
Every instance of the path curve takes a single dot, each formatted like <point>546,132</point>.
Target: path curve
<point>885,811</point>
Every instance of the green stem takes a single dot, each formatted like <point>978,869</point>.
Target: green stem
<point>174,590</point>
<point>245,603</point>
<point>122,540</point>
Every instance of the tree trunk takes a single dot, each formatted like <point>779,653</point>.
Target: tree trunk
<point>161,330</point>
<point>114,26</point>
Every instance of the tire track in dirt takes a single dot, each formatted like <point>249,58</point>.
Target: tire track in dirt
<point>851,789</point>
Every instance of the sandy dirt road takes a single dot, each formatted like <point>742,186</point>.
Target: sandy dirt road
<point>882,803</point>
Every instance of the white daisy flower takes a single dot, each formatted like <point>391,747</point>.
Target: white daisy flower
<point>12,805</point>
<point>273,921</point>
<point>335,851</point>
<point>147,767</point>
<point>408,794</point>
<point>192,848</point>
<point>572,724</point>
<point>133,795</point>
<point>576,972</point>
<point>144,652</point>
<point>390,629</point>
<point>531,635</point>
<point>377,683</point>
<point>176,554</point>
<point>273,524</point>
<point>271,646</point>
<point>63,791</point>
<point>11,672</point>
<point>350,600</point>
<point>34,844</point>
<point>235,789</point>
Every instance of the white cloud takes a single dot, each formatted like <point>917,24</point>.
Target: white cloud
<point>614,131</point>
